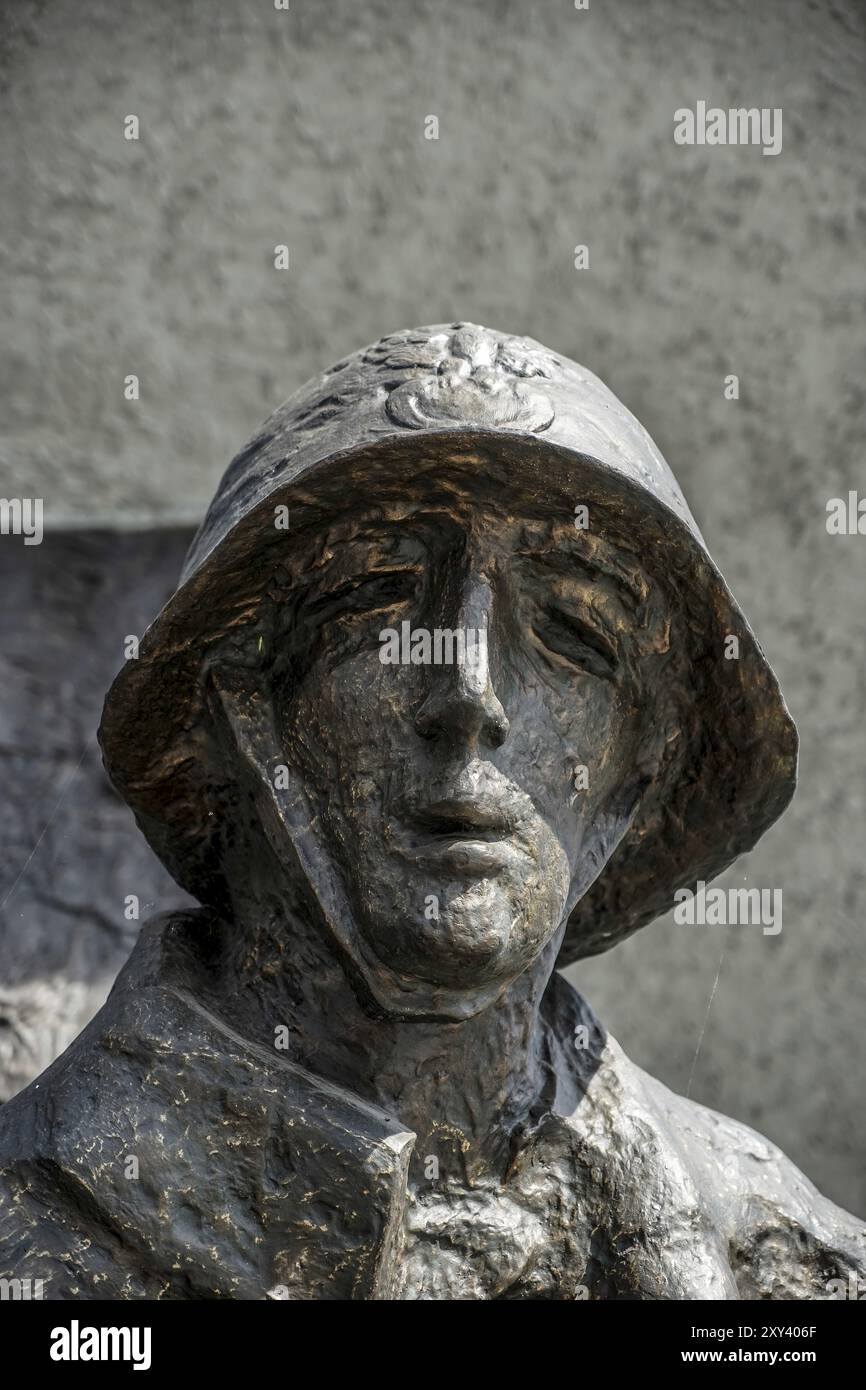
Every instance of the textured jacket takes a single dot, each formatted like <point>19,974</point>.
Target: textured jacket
<point>165,1156</point>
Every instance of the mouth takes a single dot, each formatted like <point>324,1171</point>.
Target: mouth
<point>472,837</point>
<point>464,819</point>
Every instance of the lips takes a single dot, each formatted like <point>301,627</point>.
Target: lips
<point>459,818</point>
<point>472,836</point>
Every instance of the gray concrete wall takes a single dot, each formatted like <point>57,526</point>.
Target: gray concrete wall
<point>261,127</point>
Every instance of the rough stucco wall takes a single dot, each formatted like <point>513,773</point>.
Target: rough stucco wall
<point>260,127</point>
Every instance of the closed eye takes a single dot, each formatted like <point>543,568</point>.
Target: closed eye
<point>576,642</point>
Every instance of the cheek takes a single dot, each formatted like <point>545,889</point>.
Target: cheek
<point>345,728</point>
<point>571,747</point>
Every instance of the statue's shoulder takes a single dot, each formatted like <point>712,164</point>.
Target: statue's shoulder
<point>60,1138</point>
<point>784,1239</point>
<point>722,1211</point>
<point>165,1154</point>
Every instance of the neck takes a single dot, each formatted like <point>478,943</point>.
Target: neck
<point>464,1088</point>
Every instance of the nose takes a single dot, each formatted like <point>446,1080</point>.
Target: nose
<point>461,703</point>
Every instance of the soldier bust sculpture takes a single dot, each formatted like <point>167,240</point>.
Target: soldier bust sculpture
<point>441,703</point>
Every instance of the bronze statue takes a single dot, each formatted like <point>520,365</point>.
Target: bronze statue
<point>450,694</point>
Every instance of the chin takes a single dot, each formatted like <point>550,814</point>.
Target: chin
<point>456,962</point>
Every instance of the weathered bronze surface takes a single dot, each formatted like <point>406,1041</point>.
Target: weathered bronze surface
<point>354,1072</point>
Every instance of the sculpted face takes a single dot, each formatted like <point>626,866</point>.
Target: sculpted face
<point>467,804</point>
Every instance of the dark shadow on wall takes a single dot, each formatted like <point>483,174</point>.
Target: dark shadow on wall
<point>71,853</point>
